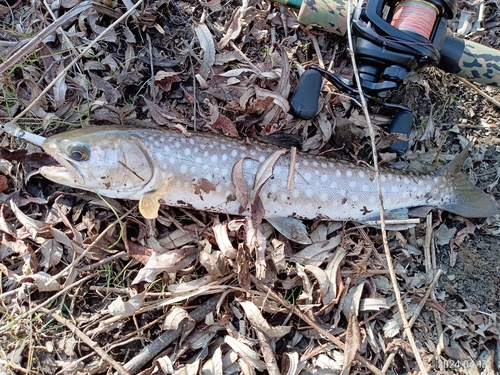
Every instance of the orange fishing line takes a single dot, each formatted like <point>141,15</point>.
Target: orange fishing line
<point>416,16</point>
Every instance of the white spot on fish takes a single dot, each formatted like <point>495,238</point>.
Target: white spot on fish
<point>205,154</point>
<point>334,185</point>
<point>361,174</point>
<point>184,168</point>
<point>296,193</point>
<point>352,184</point>
<point>323,197</point>
<point>390,177</point>
<point>338,173</point>
<point>398,179</point>
<point>242,155</point>
<point>349,173</point>
<point>324,165</point>
<point>262,158</point>
<point>383,178</point>
<point>420,182</point>
<point>191,141</point>
<point>172,160</point>
<point>234,153</point>
<point>365,188</point>
<point>277,170</point>
<point>394,188</point>
<point>223,147</point>
<point>315,164</point>
<point>306,163</point>
<point>157,144</point>
<point>309,193</point>
<point>198,160</point>
<point>187,152</point>
<point>224,157</point>
<point>307,176</point>
<point>211,145</point>
<point>406,180</point>
<point>193,169</point>
<point>284,197</point>
<point>214,158</point>
<point>177,144</point>
<point>324,178</point>
<point>436,180</point>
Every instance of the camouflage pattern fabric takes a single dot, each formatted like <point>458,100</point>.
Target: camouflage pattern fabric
<point>329,14</point>
<point>479,64</point>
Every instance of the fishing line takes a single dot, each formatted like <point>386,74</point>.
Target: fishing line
<point>416,16</point>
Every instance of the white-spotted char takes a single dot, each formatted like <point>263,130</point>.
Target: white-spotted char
<point>196,172</point>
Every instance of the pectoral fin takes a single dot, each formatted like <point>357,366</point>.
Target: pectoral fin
<point>149,204</point>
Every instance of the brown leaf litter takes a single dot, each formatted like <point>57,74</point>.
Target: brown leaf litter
<point>88,286</point>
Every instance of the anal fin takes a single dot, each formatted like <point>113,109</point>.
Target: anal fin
<point>397,219</point>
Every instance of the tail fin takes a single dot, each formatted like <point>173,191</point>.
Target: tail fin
<point>467,200</point>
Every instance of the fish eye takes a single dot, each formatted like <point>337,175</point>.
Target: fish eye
<point>79,152</point>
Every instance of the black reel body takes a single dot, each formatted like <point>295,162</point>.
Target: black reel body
<point>390,39</point>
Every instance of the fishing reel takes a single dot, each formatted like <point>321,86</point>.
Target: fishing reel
<point>391,39</point>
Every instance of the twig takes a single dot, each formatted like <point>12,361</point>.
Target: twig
<point>312,323</point>
<point>92,344</point>
<point>45,303</point>
<point>427,244</point>
<point>479,91</point>
<point>381,200</point>
<point>73,264</point>
<point>429,291</point>
<point>165,339</point>
<point>39,38</point>
<point>74,61</point>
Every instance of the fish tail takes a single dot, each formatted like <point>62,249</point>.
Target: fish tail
<point>466,199</point>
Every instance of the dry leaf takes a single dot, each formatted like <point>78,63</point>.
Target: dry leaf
<point>255,317</point>
<point>171,261</point>
<point>207,45</point>
<point>165,79</point>
<point>119,307</point>
<point>316,253</point>
<point>352,341</point>
<point>244,351</point>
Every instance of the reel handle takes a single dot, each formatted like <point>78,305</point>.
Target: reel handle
<point>304,101</point>
<point>401,124</point>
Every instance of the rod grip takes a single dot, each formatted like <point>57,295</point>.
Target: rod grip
<point>472,61</point>
<point>331,15</point>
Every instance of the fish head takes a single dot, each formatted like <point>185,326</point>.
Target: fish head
<point>101,159</point>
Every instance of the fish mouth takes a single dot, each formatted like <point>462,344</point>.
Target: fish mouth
<point>66,173</point>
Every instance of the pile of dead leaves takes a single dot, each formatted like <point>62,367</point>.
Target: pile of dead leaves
<point>89,287</point>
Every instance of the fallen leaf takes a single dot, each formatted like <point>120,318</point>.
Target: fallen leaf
<point>119,307</point>
<point>164,79</point>
<point>253,314</point>
<point>170,262</point>
<point>352,341</point>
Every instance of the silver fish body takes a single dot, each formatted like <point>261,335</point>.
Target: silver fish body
<point>123,162</point>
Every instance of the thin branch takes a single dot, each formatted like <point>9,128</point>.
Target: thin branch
<point>74,61</point>
<point>381,200</point>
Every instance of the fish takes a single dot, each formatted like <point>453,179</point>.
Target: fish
<point>208,172</point>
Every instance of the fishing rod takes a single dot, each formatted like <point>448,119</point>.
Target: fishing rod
<point>391,38</point>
